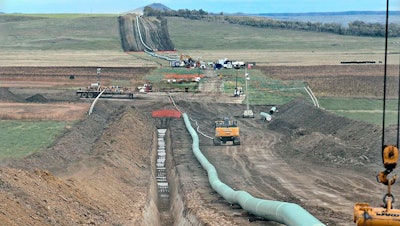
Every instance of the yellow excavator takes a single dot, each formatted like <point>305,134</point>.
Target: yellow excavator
<point>226,130</point>
<point>386,215</point>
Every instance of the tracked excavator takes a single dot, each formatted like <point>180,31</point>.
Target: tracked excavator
<point>226,131</point>
<point>386,214</point>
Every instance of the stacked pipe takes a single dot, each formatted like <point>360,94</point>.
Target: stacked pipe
<point>282,212</point>
<point>162,184</point>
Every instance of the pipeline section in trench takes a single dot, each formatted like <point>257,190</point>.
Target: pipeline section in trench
<point>282,212</point>
<point>147,49</point>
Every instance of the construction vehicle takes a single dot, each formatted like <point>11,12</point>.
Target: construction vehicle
<point>386,214</point>
<point>238,64</point>
<point>187,61</point>
<point>95,89</point>
<point>226,130</point>
<point>364,215</point>
<point>145,88</point>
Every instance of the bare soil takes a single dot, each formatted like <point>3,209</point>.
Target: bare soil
<point>341,80</point>
<point>102,170</point>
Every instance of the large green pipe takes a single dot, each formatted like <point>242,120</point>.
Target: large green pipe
<point>283,212</point>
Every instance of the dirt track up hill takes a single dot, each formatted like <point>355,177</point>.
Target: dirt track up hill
<point>154,33</point>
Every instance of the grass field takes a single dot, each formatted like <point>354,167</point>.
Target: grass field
<point>218,36</point>
<point>90,40</point>
<point>60,32</point>
<point>273,46</point>
<point>21,138</point>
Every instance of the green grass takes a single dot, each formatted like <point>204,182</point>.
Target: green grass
<point>101,32</point>
<point>59,31</point>
<point>216,36</point>
<point>368,110</point>
<point>67,15</point>
<point>157,78</point>
<point>266,91</point>
<point>22,138</point>
<point>262,90</point>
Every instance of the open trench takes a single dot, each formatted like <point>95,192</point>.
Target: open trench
<point>165,187</point>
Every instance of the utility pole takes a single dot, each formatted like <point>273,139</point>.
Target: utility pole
<point>98,75</point>
<point>236,93</point>
<point>247,113</point>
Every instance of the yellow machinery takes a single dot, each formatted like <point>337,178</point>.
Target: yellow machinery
<point>364,215</point>
<point>187,60</point>
<point>225,131</point>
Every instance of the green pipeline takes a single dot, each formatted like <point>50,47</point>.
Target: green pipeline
<point>282,212</point>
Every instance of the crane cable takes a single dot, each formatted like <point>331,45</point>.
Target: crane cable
<point>385,85</point>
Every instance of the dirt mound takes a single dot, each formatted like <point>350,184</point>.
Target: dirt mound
<point>153,32</point>
<point>315,135</point>
<point>87,176</point>
<point>7,96</point>
<point>37,98</point>
<point>40,198</point>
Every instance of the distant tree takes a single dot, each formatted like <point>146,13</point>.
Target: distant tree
<point>359,28</point>
<point>202,12</point>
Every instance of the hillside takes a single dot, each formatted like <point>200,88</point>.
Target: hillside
<point>92,40</point>
<point>139,34</point>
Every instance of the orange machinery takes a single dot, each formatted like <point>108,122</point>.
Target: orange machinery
<point>364,215</point>
<point>225,131</point>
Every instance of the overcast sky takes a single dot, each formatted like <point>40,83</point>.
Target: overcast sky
<point>215,6</point>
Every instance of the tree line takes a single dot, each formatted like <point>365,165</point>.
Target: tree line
<point>357,28</point>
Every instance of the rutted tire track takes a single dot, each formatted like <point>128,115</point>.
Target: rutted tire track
<point>257,166</point>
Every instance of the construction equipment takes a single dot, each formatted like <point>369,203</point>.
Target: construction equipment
<point>364,215</point>
<point>226,130</point>
<point>145,88</point>
<point>95,89</point>
<point>385,215</point>
<point>187,60</point>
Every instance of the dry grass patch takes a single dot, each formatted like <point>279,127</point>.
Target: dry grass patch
<point>43,111</point>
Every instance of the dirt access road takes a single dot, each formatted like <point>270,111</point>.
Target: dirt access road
<point>269,165</point>
<point>102,170</point>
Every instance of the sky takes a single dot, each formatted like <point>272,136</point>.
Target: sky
<point>214,6</point>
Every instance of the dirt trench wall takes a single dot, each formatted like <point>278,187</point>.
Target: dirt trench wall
<point>151,215</point>
<point>178,208</point>
<point>154,33</point>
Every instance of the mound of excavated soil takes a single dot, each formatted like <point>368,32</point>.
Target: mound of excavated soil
<point>7,96</point>
<point>37,98</point>
<point>312,134</point>
<point>87,177</point>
